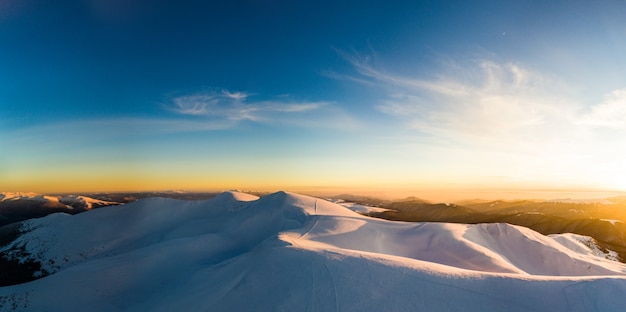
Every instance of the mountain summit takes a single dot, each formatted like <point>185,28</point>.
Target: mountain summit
<point>284,251</point>
<point>15,207</point>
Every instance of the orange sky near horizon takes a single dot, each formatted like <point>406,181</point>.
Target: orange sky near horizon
<point>433,100</point>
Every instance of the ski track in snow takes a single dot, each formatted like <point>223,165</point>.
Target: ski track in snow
<point>292,252</point>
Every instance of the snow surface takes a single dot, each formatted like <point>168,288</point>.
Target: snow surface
<point>88,202</point>
<point>288,252</point>
<point>612,221</point>
<point>584,244</point>
<point>15,195</point>
<point>32,196</point>
<point>362,209</point>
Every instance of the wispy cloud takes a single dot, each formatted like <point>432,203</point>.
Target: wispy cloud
<point>611,112</point>
<point>493,100</point>
<point>236,106</point>
<point>237,96</point>
<point>503,110</point>
<point>201,112</point>
<point>194,104</point>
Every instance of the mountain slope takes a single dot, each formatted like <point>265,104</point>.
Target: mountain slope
<point>588,219</point>
<point>15,207</point>
<point>291,252</point>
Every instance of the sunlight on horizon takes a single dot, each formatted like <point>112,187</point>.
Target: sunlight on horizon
<point>447,101</point>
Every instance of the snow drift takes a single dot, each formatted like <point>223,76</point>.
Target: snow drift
<point>288,252</point>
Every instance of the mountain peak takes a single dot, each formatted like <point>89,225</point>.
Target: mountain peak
<point>237,196</point>
<point>295,252</point>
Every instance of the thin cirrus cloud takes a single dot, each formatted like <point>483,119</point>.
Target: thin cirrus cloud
<point>236,107</point>
<point>503,115</point>
<point>494,98</point>
<point>610,113</point>
<point>489,101</point>
<point>214,111</point>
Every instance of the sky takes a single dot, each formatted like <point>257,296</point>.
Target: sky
<point>418,96</point>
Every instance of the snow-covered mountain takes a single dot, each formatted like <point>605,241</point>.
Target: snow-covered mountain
<point>16,207</point>
<point>70,201</point>
<point>287,252</point>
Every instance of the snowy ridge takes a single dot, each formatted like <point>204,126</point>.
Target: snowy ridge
<point>284,251</point>
<point>84,201</point>
<point>584,245</point>
<point>362,209</point>
<point>16,195</point>
<point>28,196</point>
<point>16,207</point>
<point>68,200</point>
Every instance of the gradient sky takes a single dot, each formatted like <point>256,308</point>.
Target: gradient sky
<point>104,95</point>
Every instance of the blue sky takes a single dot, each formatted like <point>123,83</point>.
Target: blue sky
<point>412,95</point>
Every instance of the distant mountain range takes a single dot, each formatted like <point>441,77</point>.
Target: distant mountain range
<point>289,252</point>
<point>16,207</point>
<point>604,220</point>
